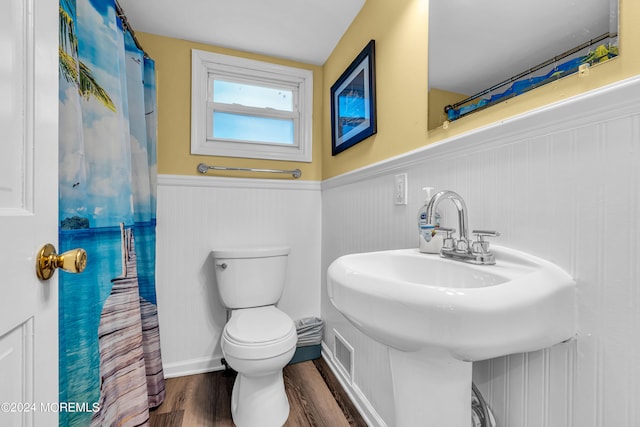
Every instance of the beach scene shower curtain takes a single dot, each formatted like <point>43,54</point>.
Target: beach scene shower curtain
<point>109,345</point>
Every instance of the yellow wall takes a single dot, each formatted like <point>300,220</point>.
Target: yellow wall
<point>173,68</point>
<point>438,99</point>
<point>400,30</point>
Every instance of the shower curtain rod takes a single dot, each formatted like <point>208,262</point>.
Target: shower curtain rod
<point>536,68</point>
<point>127,26</point>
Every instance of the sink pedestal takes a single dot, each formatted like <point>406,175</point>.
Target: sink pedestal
<point>430,388</point>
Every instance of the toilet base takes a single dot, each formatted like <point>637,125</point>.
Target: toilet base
<point>259,401</point>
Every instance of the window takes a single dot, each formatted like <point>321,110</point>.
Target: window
<point>246,108</point>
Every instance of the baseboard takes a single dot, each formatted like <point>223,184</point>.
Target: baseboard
<point>358,399</point>
<point>192,367</point>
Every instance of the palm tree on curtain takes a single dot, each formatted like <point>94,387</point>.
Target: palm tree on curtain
<point>74,70</point>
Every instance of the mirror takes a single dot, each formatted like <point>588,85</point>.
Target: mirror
<point>483,48</point>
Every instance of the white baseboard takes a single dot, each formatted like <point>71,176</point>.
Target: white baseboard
<point>358,398</point>
<point>191,367</point>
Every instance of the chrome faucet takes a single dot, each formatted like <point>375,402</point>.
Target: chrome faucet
<point>461,250</point>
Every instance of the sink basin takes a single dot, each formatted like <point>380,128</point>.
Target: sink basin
<point>409,300</point>
<point>437,315</point>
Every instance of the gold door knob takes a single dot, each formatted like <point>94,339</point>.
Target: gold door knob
<point>73,261</point>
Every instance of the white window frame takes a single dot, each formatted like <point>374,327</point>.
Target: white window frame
<point>208,65</point>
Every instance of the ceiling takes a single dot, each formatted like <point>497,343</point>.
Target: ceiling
<point>301,30</point>
<point>472,44</point>
<point>476,44</point>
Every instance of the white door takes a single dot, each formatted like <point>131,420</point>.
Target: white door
<point>28,211</point>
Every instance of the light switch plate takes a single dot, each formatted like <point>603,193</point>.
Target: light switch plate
<point>400,189</point>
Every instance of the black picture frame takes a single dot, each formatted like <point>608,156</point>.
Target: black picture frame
<point>353,102</point>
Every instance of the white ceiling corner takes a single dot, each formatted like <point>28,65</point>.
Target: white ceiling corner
<point>301,30</point>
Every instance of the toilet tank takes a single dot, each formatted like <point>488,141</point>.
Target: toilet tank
<point>250,277</point>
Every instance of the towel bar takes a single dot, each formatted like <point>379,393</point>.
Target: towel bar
<point>203,168</point>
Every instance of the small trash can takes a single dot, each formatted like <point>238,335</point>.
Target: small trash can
<point>309,346</point>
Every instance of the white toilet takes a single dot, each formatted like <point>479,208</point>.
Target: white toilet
<point>258,339</point>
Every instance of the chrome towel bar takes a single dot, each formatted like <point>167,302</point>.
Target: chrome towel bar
<point>203,168</point>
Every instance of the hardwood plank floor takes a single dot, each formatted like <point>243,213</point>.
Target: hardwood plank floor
<point>204,400</point>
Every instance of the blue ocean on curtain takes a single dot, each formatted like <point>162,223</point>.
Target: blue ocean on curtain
<point>110,362</point>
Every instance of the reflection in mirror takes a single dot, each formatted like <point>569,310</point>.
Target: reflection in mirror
<point>482,53</point>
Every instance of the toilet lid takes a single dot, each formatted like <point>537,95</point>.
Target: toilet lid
<point>259,332</point>
<point>259,325</point>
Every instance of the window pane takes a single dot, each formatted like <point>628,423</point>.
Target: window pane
<point>252,96</point>
<point>253,129</point>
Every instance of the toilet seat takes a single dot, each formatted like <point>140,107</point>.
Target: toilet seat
<point>258,333</point>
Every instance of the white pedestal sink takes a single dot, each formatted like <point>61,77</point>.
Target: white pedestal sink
<point>438,315</point>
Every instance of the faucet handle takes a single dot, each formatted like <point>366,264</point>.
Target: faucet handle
<point>447,242</point>
<point>481,246</point>
<point>449,231</point>
<point>487,233</point>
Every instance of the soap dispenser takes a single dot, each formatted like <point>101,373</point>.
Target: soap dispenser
<point>430,241</point>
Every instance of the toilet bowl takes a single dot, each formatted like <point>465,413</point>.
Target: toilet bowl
<point>258,339</point>
<point>258,343</point>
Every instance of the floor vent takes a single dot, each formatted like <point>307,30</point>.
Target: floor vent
<point>343,354</point>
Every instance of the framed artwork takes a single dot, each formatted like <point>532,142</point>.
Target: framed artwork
<point>353,102</point>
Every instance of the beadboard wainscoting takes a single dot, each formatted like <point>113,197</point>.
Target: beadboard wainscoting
<point>198,214</point>
<point>562,183</point>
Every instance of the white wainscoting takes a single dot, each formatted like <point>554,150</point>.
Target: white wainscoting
<point>561,182</point>
<point>197,214</point>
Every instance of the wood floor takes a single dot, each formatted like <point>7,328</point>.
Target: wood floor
<point>315,396</point>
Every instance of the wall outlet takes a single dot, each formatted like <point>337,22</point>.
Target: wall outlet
<point>400,189</point>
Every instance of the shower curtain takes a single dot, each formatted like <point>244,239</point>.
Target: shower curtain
<point>110,368</point>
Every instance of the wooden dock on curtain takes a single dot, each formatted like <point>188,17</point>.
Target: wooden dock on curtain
<point>131,378</point>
